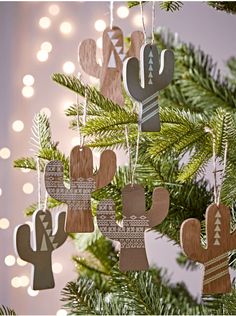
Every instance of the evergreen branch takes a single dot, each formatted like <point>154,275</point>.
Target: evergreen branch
<point>51,203</point>
<point>171,5</point>
<point>25,163</point>
<point>227,6</point>
<point>6,310</point>
<point>41,131</point>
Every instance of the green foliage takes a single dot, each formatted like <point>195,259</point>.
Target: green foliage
<point>6,310</point>
<point>171,5</point>
<point>227,6</point>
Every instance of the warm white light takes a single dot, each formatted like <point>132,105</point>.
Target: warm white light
<point>21,262</point>
<point>54,9</point>
<point>137,20</point>
<point>28,188</point>
<point>46,111</point>
<point>18,126</point>
<point>61,312</point>
<point>24,281</point>
<point>24,170</point>
<point>57,267</point>
<point>99,42</point>
<point>93,80</point>
<point>46,46</point>
<point>65,28</point>
<point>27,92</point>
<point>10,260</point>
<point>15,282</point>
<point>75,141</point>
<point>28,80</point>
<point>100,25</point>
<point>99,61</point>
<point>42,55</point>
<point>5,153</point>
<point>68,67</point>
<point>67,104</point>
<point>122,12</point>
<point>4,223</point>
<point>0,191</point>
<point>44,22</point>
<point>32,292</point>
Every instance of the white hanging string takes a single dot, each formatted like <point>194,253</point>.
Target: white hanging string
<point>223,172</point>
<point>45,202</point>
<point>128,152</point>
<point>111,14</point>
<point>143,22</point>
<point>39,182</point>
<point>153,20</point>
<point>136,156</point>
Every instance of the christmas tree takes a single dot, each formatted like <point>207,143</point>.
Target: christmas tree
<point>197,112</point>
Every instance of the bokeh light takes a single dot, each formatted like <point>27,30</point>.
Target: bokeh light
<point>122,12</point>
<point>68,67</point>
<point>65,28</point>
<point>54,9</point>
<point>24,281</point>
<point>42,55</point>
<point>15,282</point>
<point>100,25</point>
<point>75,141</point>
<point>57,267</point>
<point>28,188</point>
<point>9,260</point>
<point>27,92</point>
<point>5,153</point>
<point>46,46</point>
<point>99,42</point>
<point>28,80</point>
<point>44,22</point>
<point>21,262</point>
<point>4,223</point>
<point>61,312</point>
<point>137,20</point>
<point>32,292</point>
<point>46,111</point>
<point>0,191</point>
<point>18,126</point>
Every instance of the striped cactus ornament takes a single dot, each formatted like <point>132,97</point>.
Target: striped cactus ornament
<point>154,77</point>
<point>219,242</point>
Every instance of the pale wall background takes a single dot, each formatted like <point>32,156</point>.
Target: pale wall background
<point>20,39</point>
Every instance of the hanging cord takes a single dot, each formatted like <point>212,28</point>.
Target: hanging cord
<point>45,202</point>
<point>84,114</point>
<point>111,14</point>
<point>39,182</point>
<point>136,156</point>
<point>153,20</point>
<point>128,152</point>
<point>78,121</point>
<point>143,22</point>
<point>223,172</point>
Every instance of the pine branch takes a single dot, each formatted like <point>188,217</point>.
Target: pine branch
<point>51,203</point>
<point>6,310</point>
<point>227,6</point>
<point>41,132</point>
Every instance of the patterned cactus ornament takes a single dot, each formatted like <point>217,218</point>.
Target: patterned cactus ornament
<point>82,183</point>
<point>219,242</point>
<point>110,72</point>
<point>135,221</point>
<point>45,241</point>
<point>154,77</point>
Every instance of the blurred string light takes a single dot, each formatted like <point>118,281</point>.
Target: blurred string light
<point>66,28</point>
<point>0,191</point>
<point>21,262</point>
<point>61,312</point>
<point>46,46</point>
<point>44,22</point>
<point>99,42</point>
<point>54,9</point>
<point>17,126</point>
<point>57,267</point>
<point>75,141</point>
<point>9,260</point>
<point>24,281</point>
<point>15,282</point>
<point>137,20</point>
<point>28,188</point>
<point>46,111</point>
<point>24,170</point>
<point>32,292</point>
<point>122,12</point>
<point>4,223</point>
<point>28,80</point>
<point>100,25</point>
<point>68,67</point>
<point>67,104</point>
<point>5,153</point>
<point>42,55</point>
<point>94,81</point>
<point>27,92</point>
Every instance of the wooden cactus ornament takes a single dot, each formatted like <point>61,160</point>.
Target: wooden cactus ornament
<point>219,242</point>
<point>154,77</point>
<point>82,183</point>
<point>135,222</point>
<point>110,71</point>
<point>45,241</point>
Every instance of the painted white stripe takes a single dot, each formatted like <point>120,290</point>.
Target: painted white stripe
<point>224,255</point>
<point>150,116</point>
<point>150,106</point>
<point>222,265</point>
<point>150,98</point>
<point>219,275</point>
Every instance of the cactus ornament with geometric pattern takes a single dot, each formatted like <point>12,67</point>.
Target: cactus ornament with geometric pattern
<point>154,76</point>
<point>220,241</point>
<point>45,240</point>
<point>135,221</point>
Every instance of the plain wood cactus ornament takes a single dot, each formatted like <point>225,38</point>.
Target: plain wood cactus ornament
<point>110,71</point>
<point>135,222</point>
<point>45,241</point>
<point>154,77</point>
<point>82,183</point>
<point>219,242</point>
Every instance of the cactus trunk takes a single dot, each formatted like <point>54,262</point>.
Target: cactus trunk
<point>133,259</point>
<point>150,120</point>
<point>42,271</point>
<point>216,275</point>
<point>79,221</point>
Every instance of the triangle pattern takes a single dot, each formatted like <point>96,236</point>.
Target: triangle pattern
<point>49,231</point>
<point>122,56</point>
<point>150,54</point>
<point>44,244</point>
<point>150,68</point>
<point>150,81</point>
<point>110,34</point>
<point>45,224</point>
<point>42,217</point>
<point>217,228</point>
<point>218,222</point>
<point>150,62</point>
<point>112,61</point>
<point>51,239</point>
<point>150,75</point>
<point>218,214</point>
<point>217,235</point>
<point>114,41</point>
<point>118,49</point>
<point>55,245</point>
<point>217,243</point>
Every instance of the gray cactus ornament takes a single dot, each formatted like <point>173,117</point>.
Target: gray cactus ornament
<point>154,76</point>
<point>45,241</point>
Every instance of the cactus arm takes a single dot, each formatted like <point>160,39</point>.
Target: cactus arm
<point>190,234</point>
<point>136,42</point>
<point>131,79</point>
<point>160,207</point>
<point>22,243</point>
<point>106,170</point>
<point>106,220</point>
<point>87,57</point>
<point>60,236</point>
<point>54,181</point>
<point>81,163</point>
<point>166,71</point>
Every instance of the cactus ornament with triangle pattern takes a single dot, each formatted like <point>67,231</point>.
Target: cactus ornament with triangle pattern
<point>45,240</point>
<point>135,222</point>
<point>110,72</point>
<point>220,241</point>
<point>154,77</point>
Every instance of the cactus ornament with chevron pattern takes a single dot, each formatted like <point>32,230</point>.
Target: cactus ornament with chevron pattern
<point>214,257</point>
<point>154,77</point>
<point>45,241</point>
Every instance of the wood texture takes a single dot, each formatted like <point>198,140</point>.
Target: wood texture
<point>110,72</point>
<point>154,76</point>
<point>219,242</point>
<point>82,183</point>
<point>45,240</point>
<point>135,222</point>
